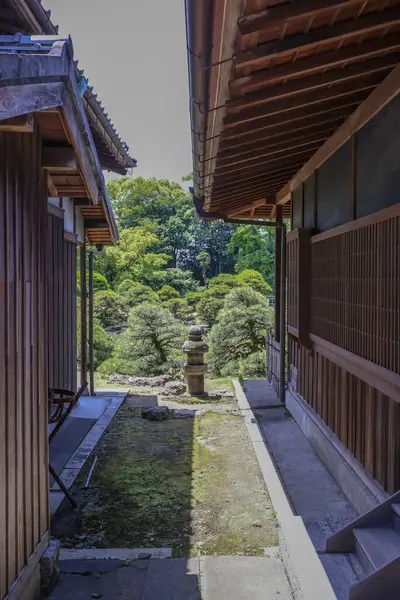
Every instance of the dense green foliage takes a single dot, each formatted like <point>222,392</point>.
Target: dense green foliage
<point>153,340</point>
<point>170,269</point>
<point>109,309</point>
<point>238,336</point>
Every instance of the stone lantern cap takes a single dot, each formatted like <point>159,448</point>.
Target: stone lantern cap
<point>195,343</point>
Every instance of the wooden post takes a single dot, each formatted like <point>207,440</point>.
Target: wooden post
<point>282,355</point>
<point>83,357</point>
<point>91,334</point>
<point>278,255</point>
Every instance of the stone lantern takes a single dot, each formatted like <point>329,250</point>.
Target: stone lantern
<point>195,368</point>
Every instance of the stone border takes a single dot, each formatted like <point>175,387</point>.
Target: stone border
<point>114,553</point>
<point>82,453</point>
<point>362,491</point>
<point>305,571</point>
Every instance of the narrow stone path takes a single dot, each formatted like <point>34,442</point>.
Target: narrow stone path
<point>205,578</point>
<point>190,484</point>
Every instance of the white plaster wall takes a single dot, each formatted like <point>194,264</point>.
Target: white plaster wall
<point>80,226</point>
<point>69,221</point>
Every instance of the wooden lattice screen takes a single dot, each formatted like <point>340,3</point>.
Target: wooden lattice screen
<point>355,291</point>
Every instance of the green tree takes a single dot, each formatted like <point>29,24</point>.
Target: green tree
<point>109,308</point>
<point>134,256</point>
<point>140,294</point>
<point>211,302</point>
<point>240,330</point>
<point>253,248</point>
<point>204,260</point>
<point>167,292</point>
<point>255,280</point>
<point>153,339</point>
<point>103,345</point>
<point>99,282</point>
<point>181,280</point>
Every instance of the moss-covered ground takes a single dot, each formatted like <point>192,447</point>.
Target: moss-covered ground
<point>192,484</point>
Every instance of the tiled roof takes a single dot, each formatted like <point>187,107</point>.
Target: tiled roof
<point>114,155</point>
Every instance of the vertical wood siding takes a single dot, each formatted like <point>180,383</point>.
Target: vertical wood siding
<point>24,503</point>
<point>61,269</point>
<point>354,304</point>
<point>364,419</point>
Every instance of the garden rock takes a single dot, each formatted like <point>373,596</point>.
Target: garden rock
<point>174,388</point>
<point>156,413</point>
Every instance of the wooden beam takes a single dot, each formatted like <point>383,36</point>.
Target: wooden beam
<point>276,133</point>
<point>285,14</point>
<point>282,105</point>
<point>381,96</point>
<point>297,114</point>
<point>261,149</point>
<point>255,184</point>
<point>251,190</point>
<point>51,187</point>
<point>253,172</point>
<point>252,207</point>
<point>314,64</point>
<point>69,191</point>
<point>302,41</point>
<point>22,124</point>
<point>316,81</point>
<point>254,163</point>
<point>56,159</point>
<point>29,98</point>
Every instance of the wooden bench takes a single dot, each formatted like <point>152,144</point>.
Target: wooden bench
<point>61,404</point>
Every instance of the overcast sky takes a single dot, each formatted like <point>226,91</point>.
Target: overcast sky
<point>134,54</point>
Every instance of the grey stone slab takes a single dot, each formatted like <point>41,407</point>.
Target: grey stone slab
<point>308,488</point>
<point>141,401</point>
<point>68,440</point>
<point>91,407</point>
<point>260,393</point>
<point>114,553</point>
<point>124,583</point>
<point>175,579</point>
<point>244,578</point>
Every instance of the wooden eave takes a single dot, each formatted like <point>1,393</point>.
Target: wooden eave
<point>52,103</point>
<point>30,17</point>
<point>297,73</point>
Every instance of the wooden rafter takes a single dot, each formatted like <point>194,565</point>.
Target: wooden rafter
<point>288,104</point>
<point>314,64</point>
<point>294,115</point>
<point>316,81</point>
<point>262,149</point>
<point>341,31</point>
<point>280,15</point>
<point>307,125</point>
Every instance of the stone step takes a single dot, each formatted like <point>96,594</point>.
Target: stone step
<point>376,547</point>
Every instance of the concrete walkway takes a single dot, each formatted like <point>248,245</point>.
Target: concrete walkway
<point>313,493</point>
<point>77,437</point>
<point>208,578</point>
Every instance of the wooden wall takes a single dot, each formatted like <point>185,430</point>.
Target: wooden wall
<point>366,420</point>
<point>24,494</point>
<point>61,270</point>
<point>344,294</point>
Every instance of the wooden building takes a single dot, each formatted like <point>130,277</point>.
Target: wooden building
<point>295,111</point>
<point>55,140</point>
